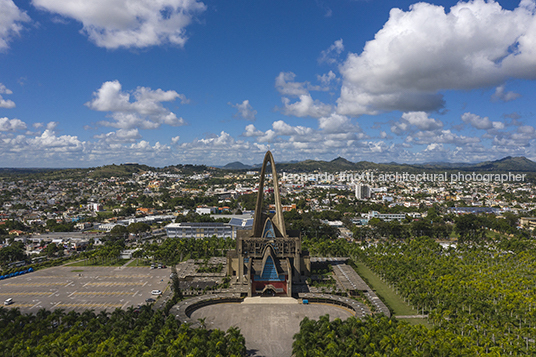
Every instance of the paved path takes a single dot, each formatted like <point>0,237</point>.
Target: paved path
<point>127,263</point>
<point>411,316</point>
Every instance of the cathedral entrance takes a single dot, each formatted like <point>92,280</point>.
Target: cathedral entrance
<point>269,290</point>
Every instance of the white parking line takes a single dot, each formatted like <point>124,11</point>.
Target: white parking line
<point>135,293</point>
<point>71,293</point>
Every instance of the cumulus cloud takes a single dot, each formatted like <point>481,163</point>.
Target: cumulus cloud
<point>305,106</point>
<point>412,120</point>
<point>11,22</point>
<point>331,55</point>
<point>422,51</point>
<point>285,85</point>
<point>3,90</point>
<point>478,122</point>
<point>441,137</point>
<point>245,110</point>
<point>11,124</point>
<point>522,137</point>
<point>251,131</point>
<point>145,112</point>
<point>327,78</point>
<point>503,95</point>
<point>336,123</point>
<point>120,136</point>
<point>129,23</point>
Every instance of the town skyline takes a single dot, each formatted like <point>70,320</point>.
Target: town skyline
<point>200,82</point>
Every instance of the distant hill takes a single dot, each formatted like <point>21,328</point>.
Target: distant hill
<point>117,170</point>
<point>518,164</point>
<point>508,164</point>
<point>513,164</point>
<point>237,165</point>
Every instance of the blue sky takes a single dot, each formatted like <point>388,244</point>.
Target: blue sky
<point>87,83</point>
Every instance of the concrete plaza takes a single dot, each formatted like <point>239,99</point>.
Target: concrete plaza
<point>268,325</point>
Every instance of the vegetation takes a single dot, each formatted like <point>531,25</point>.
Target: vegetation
<point>131,332</point>
<point>378,336</point>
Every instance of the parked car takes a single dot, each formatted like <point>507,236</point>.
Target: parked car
<point>150,300</point>
<point>8,301</point>
<point>156,292</point>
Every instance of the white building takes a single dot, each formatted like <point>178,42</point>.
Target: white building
<point>199,230</point>
<point>95,207</point>
<point>206,210</point>
<point>387,217</point>
<point>362,191</point>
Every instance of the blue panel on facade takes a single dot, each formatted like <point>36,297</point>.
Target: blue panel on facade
<point>270,272</point>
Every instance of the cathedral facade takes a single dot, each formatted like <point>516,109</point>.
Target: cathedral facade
<point>268,259</point>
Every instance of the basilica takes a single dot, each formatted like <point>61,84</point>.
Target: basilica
<point>268,259</point>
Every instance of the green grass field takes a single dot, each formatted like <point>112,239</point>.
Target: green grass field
<point>139,263</point>
<point>86,263</point>
<point>394,301</point>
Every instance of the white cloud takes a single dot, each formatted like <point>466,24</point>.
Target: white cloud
<point>267,137</point>
<point>120,136</point>
<point>332,54</point>
<point>424,50</point>
<point>285,84</point>
<point>11,23</point>
<point>336,123</point>
<point>175,139</point>
<point>441,137</point>
<point>501,94</point>
<point>327,78</point>
<point>146,112</point>
<point>49,141</point>
<point>245,110</point>
<point>305,106</point>
<point>283,128</point>
<point>522,137</point>
<point>11,124</point>
<point>6,103</point>
<point>3,90</point>
<point>478,122</point>
<point>251,131</point>
<point>419,120</point>
<point>129,23</point>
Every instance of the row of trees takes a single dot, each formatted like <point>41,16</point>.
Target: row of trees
<point>131,332</point>
<point>172,251</point>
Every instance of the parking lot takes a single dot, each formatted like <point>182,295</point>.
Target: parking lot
<point>81,288</point>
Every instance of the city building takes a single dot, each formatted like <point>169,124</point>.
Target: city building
<point>387,217</point>
<point>362,191</point>
<point>528,222</point>
<point>206,210</point>
<point>199,230</point>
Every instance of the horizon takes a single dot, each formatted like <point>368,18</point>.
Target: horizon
<point>253,166</point>
<point>211,83</point>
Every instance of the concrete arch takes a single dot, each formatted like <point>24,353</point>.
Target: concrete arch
<point>278,221</point>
